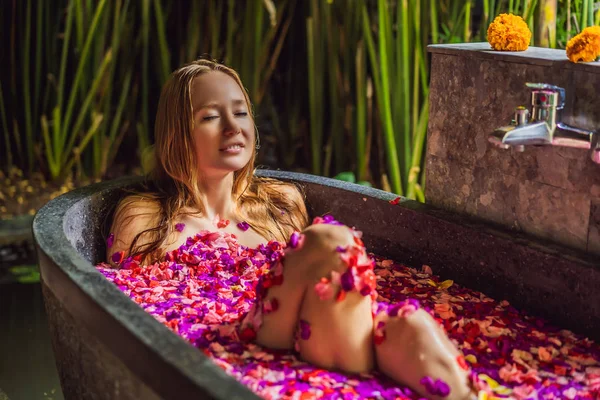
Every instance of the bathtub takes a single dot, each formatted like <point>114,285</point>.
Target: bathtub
<point>106,347</point>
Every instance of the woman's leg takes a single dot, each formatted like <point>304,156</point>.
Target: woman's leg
<point>332,334</point>
<point>312,301</point>
<point>412,348</point>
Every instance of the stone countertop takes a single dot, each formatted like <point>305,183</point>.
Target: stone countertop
<point>533,55</point>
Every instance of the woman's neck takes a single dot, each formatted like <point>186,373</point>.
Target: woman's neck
<point>217,196</point>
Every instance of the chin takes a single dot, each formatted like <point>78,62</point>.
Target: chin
<point>234,165</point>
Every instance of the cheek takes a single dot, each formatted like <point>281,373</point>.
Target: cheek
<point>204,140</point>
<point>249,127</point>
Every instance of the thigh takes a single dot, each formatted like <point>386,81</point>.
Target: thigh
<point>303,267</point>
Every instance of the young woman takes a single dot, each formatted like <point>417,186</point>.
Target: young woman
<point>320,298</point>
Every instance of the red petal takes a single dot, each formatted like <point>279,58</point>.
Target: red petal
<point>247,334</point>
<point>462,362</point>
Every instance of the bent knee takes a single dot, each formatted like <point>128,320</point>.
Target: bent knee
<point>327,237</point>
<point>319,253</point>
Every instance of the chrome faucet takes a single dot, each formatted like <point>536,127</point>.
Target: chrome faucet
<point>545,126</point>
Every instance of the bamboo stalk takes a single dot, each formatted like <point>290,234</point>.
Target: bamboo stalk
<point>486,12</point>
<point>79,73</point>
<point>256,46</point>
<point>56,131</point>
<point>403,48</point>
<point>529,9</point>
<point>97,120</point>
<point>361,121</point>
<point>26,89</point>
<point>86,104</point>
<point>49,157</point>
<point>79,17</point>
<point>230,32</point>
<point>546,24</point>
<point>38,64</point>
<point>382,90</point>
<point>144,134</point>
<point>434,21</point>
<point>332,61</point>
<point>315,126</point>
<point>17,137</point>
<point>273,61</point>
<point>102,144</point>
<point>417,151</point>
<point>79,37</point>
<point>8,157</point>
<point>215,26</point>
<point>111,148</point>
<point>467,26</point>
<point>165,55</point>
<point>193,30</point>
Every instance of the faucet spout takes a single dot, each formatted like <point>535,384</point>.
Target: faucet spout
<point>570,136</point>
<point>537,133</point>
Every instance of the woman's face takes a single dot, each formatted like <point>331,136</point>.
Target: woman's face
<point>223,130</point>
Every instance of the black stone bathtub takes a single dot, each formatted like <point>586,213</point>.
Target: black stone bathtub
<point>107,347</point>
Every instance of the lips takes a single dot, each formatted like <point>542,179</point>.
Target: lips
<point>232,146</point>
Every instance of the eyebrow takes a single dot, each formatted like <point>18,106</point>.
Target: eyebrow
<point>214,104</point>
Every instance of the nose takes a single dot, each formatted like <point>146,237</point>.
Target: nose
<point>231,126</point>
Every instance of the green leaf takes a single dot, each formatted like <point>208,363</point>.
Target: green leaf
<point>347,176</point>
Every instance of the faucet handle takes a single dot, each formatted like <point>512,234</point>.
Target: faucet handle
<point>553,88</point>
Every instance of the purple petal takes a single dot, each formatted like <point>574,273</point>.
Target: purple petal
<point>294,240</point>
<point>347,280</point>
<point>426,381</point>
<point>441,388</point>
<point>243,226</point>
<point>393,312</point>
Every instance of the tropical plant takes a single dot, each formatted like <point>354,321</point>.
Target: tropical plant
<point>354,75</point>
<point>67,86</point>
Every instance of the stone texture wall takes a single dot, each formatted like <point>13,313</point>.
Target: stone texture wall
<point>551,193</point>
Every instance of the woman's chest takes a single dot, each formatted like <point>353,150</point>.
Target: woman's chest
<point>189,226</point>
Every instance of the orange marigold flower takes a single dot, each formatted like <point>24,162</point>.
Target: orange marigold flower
<point>509,32</point>
<point>585,47</point>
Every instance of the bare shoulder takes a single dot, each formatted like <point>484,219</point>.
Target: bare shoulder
<point>134,215</point>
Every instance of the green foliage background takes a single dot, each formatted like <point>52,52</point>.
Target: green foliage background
<point>339,86</point>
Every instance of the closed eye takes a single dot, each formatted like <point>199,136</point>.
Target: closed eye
<point>210,117</point>
<point>241,114</point>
